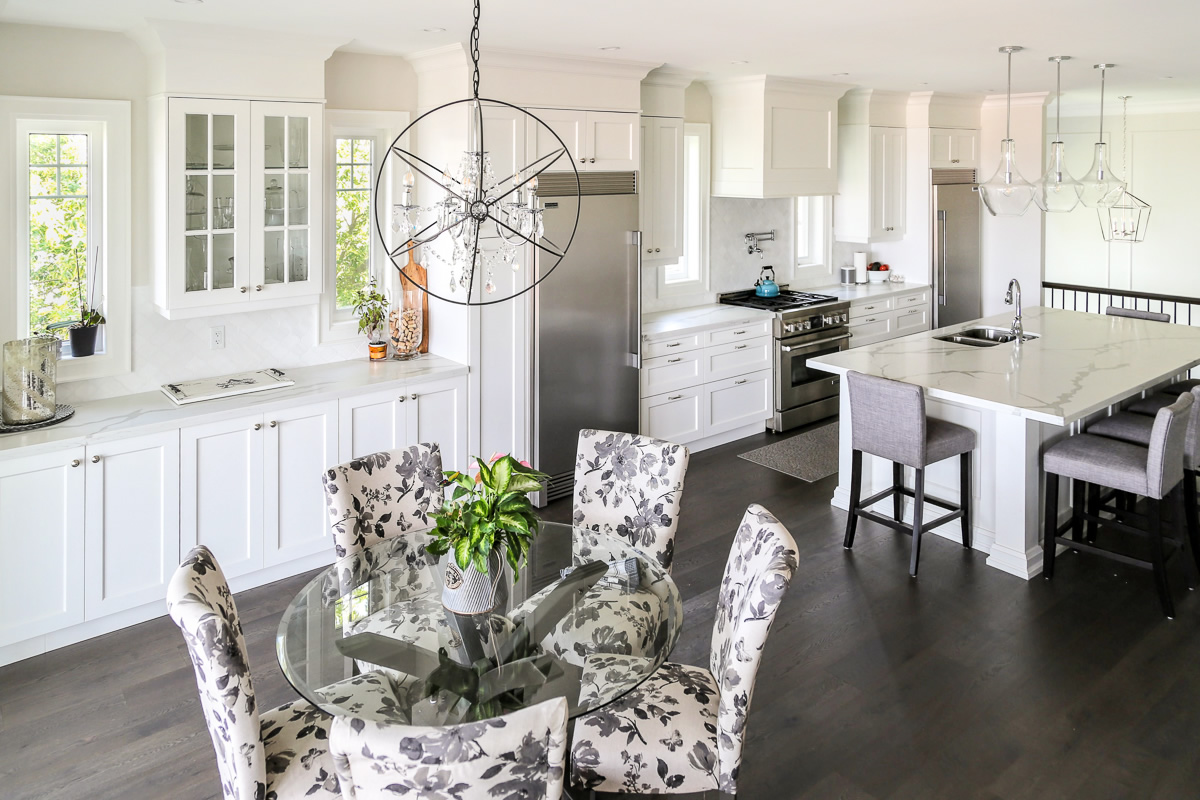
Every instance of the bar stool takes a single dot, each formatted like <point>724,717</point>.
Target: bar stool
<point>1154,472</point>
<point>1133,313</point>
<point>887,419</point>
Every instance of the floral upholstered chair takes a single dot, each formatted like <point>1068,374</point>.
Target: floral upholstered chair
<point>519,755</point>
<point>682,729</point>
<point>382,494</point>
<point>278,754</point>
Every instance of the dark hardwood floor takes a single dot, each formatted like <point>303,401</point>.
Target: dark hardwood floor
<point>964,683</point>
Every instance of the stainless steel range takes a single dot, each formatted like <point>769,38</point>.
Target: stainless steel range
<point>806,326</point>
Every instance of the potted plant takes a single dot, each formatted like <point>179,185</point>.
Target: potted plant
<point>83,332</point>
<point>487,520</point>
<point>371,306</point>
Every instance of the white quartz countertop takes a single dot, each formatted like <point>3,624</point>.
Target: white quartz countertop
<point>665,324</point>
<point>866,291</point>
<point>1080,364</point>
<point>149,412</point>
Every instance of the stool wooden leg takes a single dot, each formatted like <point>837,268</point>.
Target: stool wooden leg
<point>1156,557</point>
<point>855,494</point>
<point>897,498</point>
<point>964,496</point>
<point>1182,519</point>
<point>1049,546</point>
<point>1192,512</point>
<point>918,513</point>
<point>1093,508</point>
<point>1078,488</point>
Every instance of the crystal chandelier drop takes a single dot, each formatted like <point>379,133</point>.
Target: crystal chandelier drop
<point>1101,187</point>
<point>477,225</point>
<point>1007,194</point>
<point>1127,219</point>
<point>1056,191</point>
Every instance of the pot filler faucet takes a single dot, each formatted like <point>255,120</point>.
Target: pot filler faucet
<point>752,240</point>
<point>1017,329</point>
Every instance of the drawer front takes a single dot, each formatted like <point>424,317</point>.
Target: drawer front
<point>735,402</point>
<point>912,320</point>
<point>738,358</point>
<point>913,299</point>
<point>740,333</point>
<point>668,373</point>
<point>868,330</point>
<point>675,416</point>
<point>871,308</point>
<point>679,344</point>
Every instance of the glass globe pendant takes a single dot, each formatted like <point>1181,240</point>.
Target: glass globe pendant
<point>1101,187</point>
<point>1006,193</point>
<point>1056,191</point>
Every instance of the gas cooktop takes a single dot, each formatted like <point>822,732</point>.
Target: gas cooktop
<point>787,300</point>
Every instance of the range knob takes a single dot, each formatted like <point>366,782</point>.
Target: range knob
<point>844,318</point>
<point>826,320</point>
<point>790,327</point>
<point>807,324</point>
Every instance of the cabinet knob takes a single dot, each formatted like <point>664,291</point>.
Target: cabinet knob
<point>657,249</point>
<point>402,398</point>
<point>413,396</point>
<point>242,289</point>
<point>591,161</point>
<point>583,161</point>
<point>258,426</point>
<point>649,249</point>
<point>95,459</point>
<point>75,462</point>
<point>258,288</point>
<point>273,423</point>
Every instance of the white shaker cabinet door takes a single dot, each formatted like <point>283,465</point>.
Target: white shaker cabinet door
<point>300,444</point>
<point>41,544</point>
<point>221,492</point>
<point>675,416</point>
<point>613,141</point>
<point>132,525</point>
<point>735,402</point>
<point>437,412</point>
<point>571,127</point>
<point>370,423</point>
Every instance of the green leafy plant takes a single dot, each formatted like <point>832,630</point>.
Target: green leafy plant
<point>488,511</point>
<point>371,306</point>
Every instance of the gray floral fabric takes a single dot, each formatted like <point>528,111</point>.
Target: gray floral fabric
<point>630,486</point>
<point>518,756</point>
<point>282,754</point>
<point>688,707</point>
<point>382,494</point>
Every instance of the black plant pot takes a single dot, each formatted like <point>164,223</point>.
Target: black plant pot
<point>83,341</point>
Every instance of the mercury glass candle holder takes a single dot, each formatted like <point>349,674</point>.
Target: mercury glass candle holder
<point>30,378</point>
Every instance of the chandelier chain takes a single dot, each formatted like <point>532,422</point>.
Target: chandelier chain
<point>475,52</point>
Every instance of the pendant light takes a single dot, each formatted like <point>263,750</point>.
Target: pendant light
<point>1007,194</point>
<point>1101,187</point>
<point>1127,219</point>
<point>1057,191</point>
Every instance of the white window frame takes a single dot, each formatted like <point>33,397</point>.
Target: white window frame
<point>107,125</point>
<point>382,128</point>
<point>812,263</point>
<point>698,285</point>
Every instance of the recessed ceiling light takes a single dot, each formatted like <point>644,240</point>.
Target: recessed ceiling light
<point>190,2</point>
<point>924,83</point>
<point>840,74</point>
<point>739,62</point>
<point>434,30</point>
<point>610,47</point>
<point>1168,77</point>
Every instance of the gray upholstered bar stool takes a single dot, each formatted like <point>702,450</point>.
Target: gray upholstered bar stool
<point>887,419</point>
<point>1133,313</point>
<point>1154,472</point>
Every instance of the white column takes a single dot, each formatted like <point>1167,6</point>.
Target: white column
<point>1016,549</point>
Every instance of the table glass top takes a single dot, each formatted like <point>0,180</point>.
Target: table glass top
<point>590,637</point>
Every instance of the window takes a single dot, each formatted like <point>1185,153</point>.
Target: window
<point>690,273</point>
<point>71,227</point>
<point>813,239</point>
<point>354,174</point>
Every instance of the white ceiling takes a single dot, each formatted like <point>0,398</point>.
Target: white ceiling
<point>912,45</point>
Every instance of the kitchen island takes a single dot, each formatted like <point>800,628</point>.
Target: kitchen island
<point>1018,398</point>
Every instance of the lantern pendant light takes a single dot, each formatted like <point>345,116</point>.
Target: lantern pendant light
<point>1127,219</point>
<point>1007,194</point>
<point>1057,191</point>
<point>1101,187</point>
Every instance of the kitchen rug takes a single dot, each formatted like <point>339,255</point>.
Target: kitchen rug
<point>809,456</point>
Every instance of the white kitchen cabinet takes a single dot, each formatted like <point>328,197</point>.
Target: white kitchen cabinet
<point>736,402</point>
<point>737,358</point>
<point>912,320</point>
<point>597,141</point>
<point>132,521</point>
<point>675,416</point>
<point>236,196</point>
<point>880,318</point>
<point>870,206</point>
<point>370,423</point>
<point>668,373</point>
<point>953,148</point>
<point>437,412</point>
<point>300,443</point>
<point>661,188</point>
<point>41,544</point>
<point>221,491</point>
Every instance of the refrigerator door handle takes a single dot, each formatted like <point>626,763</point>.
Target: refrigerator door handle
<point>941,218</point>
<point>635,322</point>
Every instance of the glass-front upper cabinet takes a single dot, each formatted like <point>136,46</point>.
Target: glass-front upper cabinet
<point>242,206</point>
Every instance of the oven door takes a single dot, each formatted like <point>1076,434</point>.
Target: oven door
<point>795,382</point>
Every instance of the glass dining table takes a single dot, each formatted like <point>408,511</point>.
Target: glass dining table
<point>604,620</point>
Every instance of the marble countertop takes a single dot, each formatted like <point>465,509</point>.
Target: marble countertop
<point>866,291</point>
<point>1081,363</point>
<point>150,412</point>
<point>664,324</point>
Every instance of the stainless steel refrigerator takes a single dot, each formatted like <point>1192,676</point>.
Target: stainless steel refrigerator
<point>956,261</point>
<point>587,319</point>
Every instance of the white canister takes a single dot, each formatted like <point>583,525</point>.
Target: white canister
<point>860,267</point>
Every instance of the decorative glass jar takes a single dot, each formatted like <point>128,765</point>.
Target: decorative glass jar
<point>30,378</point>
<point>406,324</point>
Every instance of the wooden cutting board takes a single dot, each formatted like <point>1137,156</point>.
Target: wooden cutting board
<point>416,273</point>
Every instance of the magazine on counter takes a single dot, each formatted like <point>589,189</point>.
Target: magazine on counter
<point>226,386</point>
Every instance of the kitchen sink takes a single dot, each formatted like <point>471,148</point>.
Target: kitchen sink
<point>983,337</point>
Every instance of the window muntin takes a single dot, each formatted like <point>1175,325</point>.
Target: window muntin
<point>353,190</point>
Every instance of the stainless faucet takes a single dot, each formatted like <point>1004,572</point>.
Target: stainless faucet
<point>1017,330</point>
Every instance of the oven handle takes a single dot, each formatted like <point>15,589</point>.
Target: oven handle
<point>817,343</point>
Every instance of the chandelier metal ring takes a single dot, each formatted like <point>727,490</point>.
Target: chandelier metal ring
<point>477,204</point>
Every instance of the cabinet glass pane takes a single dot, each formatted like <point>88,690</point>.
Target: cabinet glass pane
<point>273,142</point>
<point>195,141</point>
<point>298,199</point>
<point>222,204</point>
<point>222,133</point>
<point>273,256</point>
<point>297,142</point>
<point>222,251</point>
<point>196,203</point>
<point>298,256</point>
<point>273,201</point>
<point>195,257</point>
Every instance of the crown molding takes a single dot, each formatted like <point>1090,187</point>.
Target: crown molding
<point>776,83</point>
<point>1092,109</point>
<point>671,77</point>
<point>1023,99</point>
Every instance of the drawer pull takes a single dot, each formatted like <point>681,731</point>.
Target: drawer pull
<point>741,347</point>
<point>739,383</point>
<point>674,344</point>
<point>870,319</point>
<point>675,397</point>
<point>673,360</point>
<point>738,333</point>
